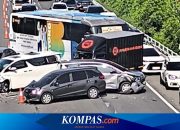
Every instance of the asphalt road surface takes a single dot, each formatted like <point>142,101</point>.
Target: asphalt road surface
<point>146,102</point>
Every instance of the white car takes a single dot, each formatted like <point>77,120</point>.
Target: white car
<point>152,60</point>
<point>59,6</point>
<point>170,76</point>
<point>18,71</point>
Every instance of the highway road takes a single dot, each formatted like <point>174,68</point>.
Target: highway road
<point>145,102</point>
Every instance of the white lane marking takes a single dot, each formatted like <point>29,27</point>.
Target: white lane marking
<point>162,98</point>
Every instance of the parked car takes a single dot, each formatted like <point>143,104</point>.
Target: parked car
<point>83,4</point>
<point>95,9</point>
<point>152,60</point>
<point>170,75</point>
<point>19,70</point>
<point>59,6</point>
<point>65,83</point>
<point>28,7</point>
<point>71,4</point>
<point>4,51</point>
<point>116,76</point>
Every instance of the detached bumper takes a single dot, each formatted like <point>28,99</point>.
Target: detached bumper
<point>138,86</point>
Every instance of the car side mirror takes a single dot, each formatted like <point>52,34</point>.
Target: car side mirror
<point>55,84</point>
<point>12,69</point>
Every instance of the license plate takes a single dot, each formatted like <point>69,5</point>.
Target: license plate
<point>156,68</point>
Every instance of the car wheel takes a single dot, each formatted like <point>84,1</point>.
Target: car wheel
<point>46,98</point>
<point>5,87</point>
<point>166,86</point>
<point>125,88</point>
<point>161,81</point>
<point>93,93</point>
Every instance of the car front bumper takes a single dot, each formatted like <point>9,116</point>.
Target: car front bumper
<point>152,67</point>
<point>137,86</point>
<point>173,83</point>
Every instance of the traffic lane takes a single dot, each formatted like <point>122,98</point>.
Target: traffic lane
<point>9,104</point>
<point>172,96</point>
<point>145,102</point>
<point>75,105</point>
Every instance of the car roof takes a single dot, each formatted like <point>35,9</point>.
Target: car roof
<point>29,56</point>
<point>147,46</point>
<point>173,58</point>
<point>71,69</point>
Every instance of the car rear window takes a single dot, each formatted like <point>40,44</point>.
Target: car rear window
<point>59,6</point>
<point>92,73</point>
<point>150,52</point>
<point>51,59</point>
<point>79,75</point>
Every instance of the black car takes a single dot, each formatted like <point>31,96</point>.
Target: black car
<point>83,4</point>
<point>66,82</point>
<point>71,4</point>
<point>4,51</point>
<point>95,9</point>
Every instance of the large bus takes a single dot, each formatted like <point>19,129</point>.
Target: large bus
<point>17,4</point>
<point>57,31</point>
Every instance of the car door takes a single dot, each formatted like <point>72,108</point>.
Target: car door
<point>61,86</point>
<point>20,77</point>
<point>111,76</point>
<point>79,83</point>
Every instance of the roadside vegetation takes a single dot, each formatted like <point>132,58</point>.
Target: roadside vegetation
<point>158,18</point>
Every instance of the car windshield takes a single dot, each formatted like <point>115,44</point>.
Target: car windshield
<point>4,63</point>
<point>59,6</point>
<point>28,8</point>
<point>47,79</point>
<point>150,52</point>
<point>173,66</point>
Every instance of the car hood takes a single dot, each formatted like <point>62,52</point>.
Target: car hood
<point>135,73</point>
<point>154,58</point>
<point>35,84</point>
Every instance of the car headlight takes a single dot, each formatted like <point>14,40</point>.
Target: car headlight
<point>172,77</point>
<point>36,91</point>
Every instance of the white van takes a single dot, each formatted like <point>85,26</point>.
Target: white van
<point>19,70</point>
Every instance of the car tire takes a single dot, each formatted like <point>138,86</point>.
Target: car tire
<point>93,93</point>
<point>125,88</point>
<point>46,98</point>
<point>161,81</point>
<point>5,87</point>
<point>166,86</point>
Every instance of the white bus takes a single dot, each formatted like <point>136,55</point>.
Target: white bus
<point>57,31</point>
<point>17,4</point>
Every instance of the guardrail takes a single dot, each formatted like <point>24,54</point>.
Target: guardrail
<point>149,40</point>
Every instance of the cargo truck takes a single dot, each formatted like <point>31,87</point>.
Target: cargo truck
<point>122,47</point>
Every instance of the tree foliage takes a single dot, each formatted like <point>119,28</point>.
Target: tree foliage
<point>157,18</point>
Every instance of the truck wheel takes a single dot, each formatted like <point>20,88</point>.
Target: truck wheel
<point>125,87</point>
<point>5,87</point>
<point>93,93</point>
<point>46,98</point>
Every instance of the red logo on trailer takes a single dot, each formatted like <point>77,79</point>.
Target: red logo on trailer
<point>115,51</point>
<point>87,44</point>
